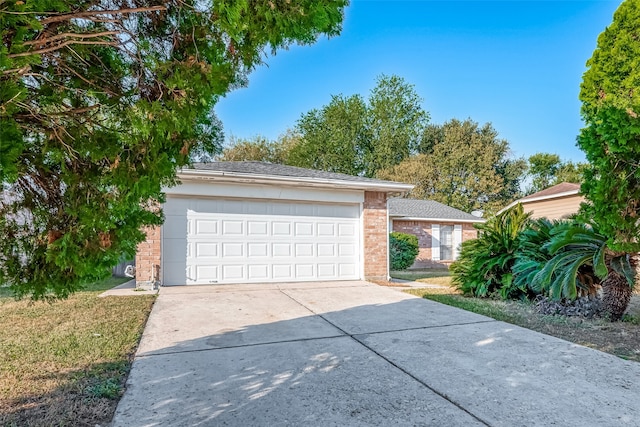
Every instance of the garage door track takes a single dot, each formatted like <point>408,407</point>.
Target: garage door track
<point>357,354</point>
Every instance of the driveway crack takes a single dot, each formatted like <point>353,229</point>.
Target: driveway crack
<point>355,338</point>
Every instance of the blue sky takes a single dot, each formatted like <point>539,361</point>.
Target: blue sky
<point>516,64</point>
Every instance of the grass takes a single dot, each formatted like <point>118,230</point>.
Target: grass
<point>65,363</point>
<point>619,338</point>
<point>429,276</point>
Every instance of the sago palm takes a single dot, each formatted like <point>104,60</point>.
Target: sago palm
<point>579,246</point>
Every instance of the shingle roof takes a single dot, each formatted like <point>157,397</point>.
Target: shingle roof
<point>563,187</point>
<point>263,168</point>
<point>427,209</point>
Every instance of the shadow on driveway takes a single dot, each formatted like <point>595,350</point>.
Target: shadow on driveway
<point>361,355</point>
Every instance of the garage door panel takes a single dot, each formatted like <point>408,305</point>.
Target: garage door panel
<point>233,272</point>
<point>326,249</point>
<point>205,250</point>
<point>304,271</point>
<point>346,230</point>
<point>222,241</point>
<point>232,228</point>
<point>258,272</point>
<point>233,250</point>
<point>207,227</point>
<point>327,271</point>
<point>281,250</point>
<point>304,229</point>
<point>280,228</point>
<point>304,249</point>
<point>346,250</point>
<point>258,228</point>
<point>258,250</point>
<point>282,272</point>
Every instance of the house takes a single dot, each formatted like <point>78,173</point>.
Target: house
<point>254,222</point>
<point>440,229</point>
<point>559,201</point>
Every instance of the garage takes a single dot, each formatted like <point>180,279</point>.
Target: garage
<point>224,240</point>
<point>254,222</point>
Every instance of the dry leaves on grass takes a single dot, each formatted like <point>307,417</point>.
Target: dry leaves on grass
<point>64,363</point>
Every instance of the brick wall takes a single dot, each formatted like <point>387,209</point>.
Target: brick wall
<point>422,229</point>
<point>375,236</point>
<point>148,259</point>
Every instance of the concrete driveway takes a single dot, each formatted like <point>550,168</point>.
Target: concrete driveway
<point>357,354</point>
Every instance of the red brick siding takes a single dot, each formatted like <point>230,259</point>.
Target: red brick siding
<point>375,236</point>
<point>148,257</point>
<point>422,229</point>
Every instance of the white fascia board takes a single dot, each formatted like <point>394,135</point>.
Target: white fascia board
<point>187,174</point>
<point>411,218</point>
<point>539,198</point>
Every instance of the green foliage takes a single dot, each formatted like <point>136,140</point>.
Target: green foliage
<point>546,170</point>
<point>261,149</point>
<point>542,169</point>
<point>403,250</point>
<point>555,259</point>
<point>396,123</point>
<point>358,137</point>
<point>98,110</point>
<point>334,138</point>
<point>484,265</point>
<point>610,98</point>
<point>463,165</point>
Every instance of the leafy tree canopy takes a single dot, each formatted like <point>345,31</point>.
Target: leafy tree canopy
<point>100,102</point>
<point>610,95</point>
<point>546,170</point>
<point>261,149</point>
<point>358,137</point>
<point>462,165</point>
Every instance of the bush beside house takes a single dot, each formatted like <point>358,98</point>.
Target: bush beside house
<point>403,250</point>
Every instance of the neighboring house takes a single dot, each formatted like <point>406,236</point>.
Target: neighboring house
<point>559,201</point>
<point>440,229</point>
<point>254,222</point>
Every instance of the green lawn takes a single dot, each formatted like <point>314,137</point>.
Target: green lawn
<point>435,276</point>
<point>619,338</point>
<point>65,363</point>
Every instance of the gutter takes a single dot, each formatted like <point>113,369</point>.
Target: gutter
<point>201,175</point>
<point>410,218</point>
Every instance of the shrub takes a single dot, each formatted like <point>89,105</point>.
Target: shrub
<point>403,250</point>
<point>484,265</point>
<point>538,252</point>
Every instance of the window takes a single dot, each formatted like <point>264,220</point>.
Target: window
<point>446,242</point>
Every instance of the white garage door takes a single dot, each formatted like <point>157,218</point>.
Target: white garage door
<point>209,241</point>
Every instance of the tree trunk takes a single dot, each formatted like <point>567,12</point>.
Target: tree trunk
<point>616,294</point>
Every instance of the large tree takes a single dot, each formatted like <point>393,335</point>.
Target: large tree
<point>358,137</point>
<point>333,138</point>
<point>463,165</point>
<point>260,148</point>
<point>610,95</point>
<point>545,170</point>
<point>100,102</point>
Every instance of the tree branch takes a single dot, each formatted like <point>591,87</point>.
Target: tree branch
<point>68,35</point>
<point>86,14</point>
<point>60,46</point>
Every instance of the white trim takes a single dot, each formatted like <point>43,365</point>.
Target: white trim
<point>200,174</point>
<point>435,242</point>
<point>457,240</point>
<point>539,198</point>
<point>194,188</point>
<point>411,218</point>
